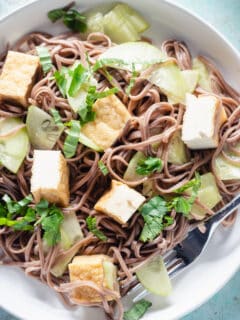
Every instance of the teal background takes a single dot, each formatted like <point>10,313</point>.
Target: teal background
<point>225,16</point>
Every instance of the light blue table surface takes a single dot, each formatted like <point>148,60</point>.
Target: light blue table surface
<point>225,16</point>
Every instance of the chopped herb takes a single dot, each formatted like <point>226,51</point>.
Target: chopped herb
<point>103,167</point>
<point>61,80</point>
<point>56,117</point>
<point>153,213</point>
<point>72,19</point>
<point>85,111</point>
<point>19,216</point>
<point>101,63</point>
<point>184,204</point>
<point>79,76</point>
<point>132,80</point>
<point>45,59</point>
<point>148,165</point>
<point>92,227</point>
<point>71,141</point>
<point>137,310</point>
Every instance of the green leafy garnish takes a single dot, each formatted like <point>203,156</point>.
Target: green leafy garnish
<point>132,80</point>
<point>101,63</point>
<point>184,204</point>
<point>153,212</point>
<point>45,59</point>
<point>19,216</point>
<point>103,167</point>
<point>71,141</point>
<point>79,76</point>
<point>92,227</point>
<point>72,19</point>
<point>56,117</point>
<point>61,80</point>
<point>148,165</point>
<point>137,310</point>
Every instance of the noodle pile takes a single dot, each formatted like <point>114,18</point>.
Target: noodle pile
<point>154,120</point>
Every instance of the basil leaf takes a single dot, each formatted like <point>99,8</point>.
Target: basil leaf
<point>103,167</point>
<point>45,59</point>
<point>71,141</point>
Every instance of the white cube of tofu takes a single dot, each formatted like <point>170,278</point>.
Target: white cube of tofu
<point>50,177</point>
<point>18,76</point>
<point>202,120</point>
<point>111,117</point>
<point>98,269</point>
<point>120,202</point>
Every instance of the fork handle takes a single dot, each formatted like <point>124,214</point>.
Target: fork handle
<point>223,213</point>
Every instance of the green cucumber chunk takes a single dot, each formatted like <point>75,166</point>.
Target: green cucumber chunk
<point>110,274</point>
<point>130,173</point>
<point>71,233</point>
<point>191,78</point>
<point>13,148</point>
<point>204,76</point>
<point>177,152</point>
<point>140,54</point>
<point>208,195</point>
<point>154,277</point>
<point>227,170</point>
<point>42,130</point>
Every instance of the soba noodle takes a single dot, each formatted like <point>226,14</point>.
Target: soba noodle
<point>153,120</point>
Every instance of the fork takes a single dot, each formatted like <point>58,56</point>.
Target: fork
<point>189,250</point>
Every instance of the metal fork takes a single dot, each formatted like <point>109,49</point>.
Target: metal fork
<point>190,249</point>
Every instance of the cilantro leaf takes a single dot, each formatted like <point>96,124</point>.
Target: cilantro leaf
<point>137,310</point>
<point>92,227</point>
<point>72,19</point>
<point>51,225</point>
<point>149,165</point>
<point>71,141</point>
<point>153,213</point>
<point>19,216</point>
<point>103,167</point>
<point>184,204</point>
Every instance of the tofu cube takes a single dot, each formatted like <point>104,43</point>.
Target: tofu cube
<point>111,117</point>
<point>97,268</point>
<point>202,120</point>
<point>120,202</point>
<point>50,177</point>
<point>18,76</point>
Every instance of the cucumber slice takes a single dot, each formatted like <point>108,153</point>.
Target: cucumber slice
<point>125,11</point>
<point>154,277</point>
<point>118,28</point>
<point>177,152</point>
<point>208,194</point>
<point>141,54</point>
<point>226,170</point>
<point>110,274</point>
<point>13,149</point>
<point>71,233</point>
<point>130,174</point>
<point>169,78</point>
<point>204,77</point>
<point>42,130</point>
<point>191,78</point>
<point>95,22</point>
<point>88,142</point>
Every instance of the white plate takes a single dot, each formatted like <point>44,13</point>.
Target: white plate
<point>31,300</point>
